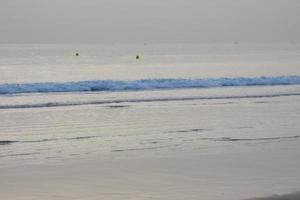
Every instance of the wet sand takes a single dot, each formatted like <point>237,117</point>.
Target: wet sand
<point>231,173</point>
<point>203,149</point>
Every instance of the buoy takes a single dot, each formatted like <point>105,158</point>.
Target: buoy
<point>76,54</point>
<point>137,57</point>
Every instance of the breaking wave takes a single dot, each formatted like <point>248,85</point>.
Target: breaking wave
<point>145,84</point>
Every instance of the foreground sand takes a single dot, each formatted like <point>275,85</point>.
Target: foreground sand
<point>253,152</point>
<point>235,173</point>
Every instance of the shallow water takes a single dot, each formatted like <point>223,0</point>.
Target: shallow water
<point>54,133</point>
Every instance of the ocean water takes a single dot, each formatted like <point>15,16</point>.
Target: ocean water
<point>58,63</point>
<point>176,97</point>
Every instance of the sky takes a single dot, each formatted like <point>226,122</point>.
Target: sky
<point>145,21</point>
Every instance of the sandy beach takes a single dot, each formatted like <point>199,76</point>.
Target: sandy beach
<point>209,149</point>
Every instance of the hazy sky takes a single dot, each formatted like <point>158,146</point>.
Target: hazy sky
<point>47,21</point>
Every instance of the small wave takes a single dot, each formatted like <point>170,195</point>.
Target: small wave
<point>19,154</point>
<point>100,102</point>
<point>145,84</point>
<point>6,142</point>
<point>228,139</point>
<point>194,130</point>
<point>141,149</point>
<point>118,106</point>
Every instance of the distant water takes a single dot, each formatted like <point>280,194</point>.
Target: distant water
<point>40,63</point>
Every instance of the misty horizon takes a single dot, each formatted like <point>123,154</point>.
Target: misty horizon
<point>141,21</point>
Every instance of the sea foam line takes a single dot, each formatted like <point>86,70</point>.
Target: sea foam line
<point>145,84</point>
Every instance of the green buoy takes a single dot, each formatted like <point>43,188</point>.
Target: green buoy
<point>137,57</point>
<point>77,54</point>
